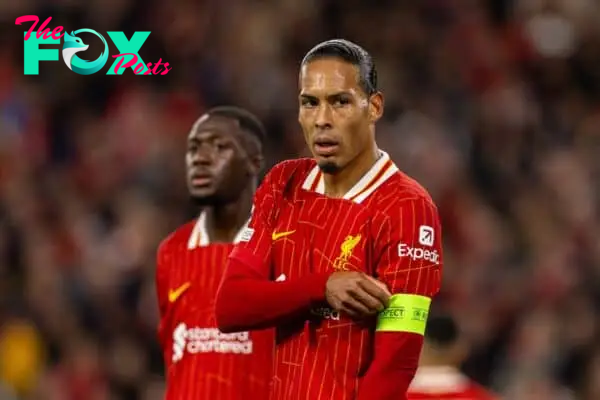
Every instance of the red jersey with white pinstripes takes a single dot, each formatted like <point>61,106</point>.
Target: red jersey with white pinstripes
<point>386,226</point>
<point>202,363</point>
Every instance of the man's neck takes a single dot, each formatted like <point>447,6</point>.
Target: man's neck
<point>224,221</point>
<point>338,184</point>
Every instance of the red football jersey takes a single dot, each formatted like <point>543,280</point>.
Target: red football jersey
<point>201,362</point>
<point>445,383</point>
<point>386,226</point>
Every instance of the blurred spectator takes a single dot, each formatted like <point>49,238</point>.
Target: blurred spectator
<point>438,376</point>
<point>22,358</point>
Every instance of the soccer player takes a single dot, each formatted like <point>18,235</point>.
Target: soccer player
<point>223,159</point>
<point>438,376</point>
<point>343,252</point>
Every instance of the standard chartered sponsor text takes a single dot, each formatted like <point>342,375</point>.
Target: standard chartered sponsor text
<point>208,340</point>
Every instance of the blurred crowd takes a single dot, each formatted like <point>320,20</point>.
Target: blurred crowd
<point>493,105</point>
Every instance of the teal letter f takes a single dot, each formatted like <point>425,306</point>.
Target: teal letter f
<point>33,53</point>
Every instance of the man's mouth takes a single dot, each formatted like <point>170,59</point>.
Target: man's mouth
<point>200,180</point>
<point>326,147</point>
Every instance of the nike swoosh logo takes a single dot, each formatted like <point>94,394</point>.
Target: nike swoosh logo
<point>175,294</point>
<point>279,235</point>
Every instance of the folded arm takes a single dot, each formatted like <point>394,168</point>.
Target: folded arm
<point>248,300</point>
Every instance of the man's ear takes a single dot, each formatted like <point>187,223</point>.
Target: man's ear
<point>256,163</point>
<point>376,105</point>
<point>251,149</point>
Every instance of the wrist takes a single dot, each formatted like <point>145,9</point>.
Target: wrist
<point>315,286</point>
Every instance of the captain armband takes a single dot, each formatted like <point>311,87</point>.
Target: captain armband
<point>405,313</point>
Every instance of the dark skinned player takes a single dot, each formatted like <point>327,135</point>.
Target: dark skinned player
<point>223,160</point>
<point>353,244</point>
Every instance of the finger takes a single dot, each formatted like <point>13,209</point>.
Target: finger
<point>375,290</point>
<point>380,284</point>
<point>351,306</point>
<point>371,302</point>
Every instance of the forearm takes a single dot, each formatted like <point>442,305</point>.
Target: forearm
<point>247,300</point>
<point>393,367</point>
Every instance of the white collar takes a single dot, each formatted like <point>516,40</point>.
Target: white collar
<point>199,236</point>
<point>380,172</point>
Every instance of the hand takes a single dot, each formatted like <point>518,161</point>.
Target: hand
<point>356,294</point>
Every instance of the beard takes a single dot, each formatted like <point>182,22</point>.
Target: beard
<point>329,167</point>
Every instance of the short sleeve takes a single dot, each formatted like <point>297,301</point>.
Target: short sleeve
<point>410,248</point>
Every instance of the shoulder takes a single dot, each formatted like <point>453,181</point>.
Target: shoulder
<point>177,238</point>
<point>401,192</point>
<point>284,177</point>
<point>175,241</point>
<point>288,172</point>
<point>404,211</point>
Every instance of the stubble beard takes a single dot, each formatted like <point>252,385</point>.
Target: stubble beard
<point>329,167</point>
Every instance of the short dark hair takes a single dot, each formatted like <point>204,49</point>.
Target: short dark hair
<point>248,121</point>
<point>441,331</point>
<point>351,53</point>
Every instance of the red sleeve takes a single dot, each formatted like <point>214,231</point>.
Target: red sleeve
<point>410,262</point>
<point>248,297</point>
<point>161,280</point>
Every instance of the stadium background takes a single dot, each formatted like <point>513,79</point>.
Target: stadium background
<point>492,105</point>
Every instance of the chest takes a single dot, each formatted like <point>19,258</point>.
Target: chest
<point>194,278</point>
<point>315,234</point>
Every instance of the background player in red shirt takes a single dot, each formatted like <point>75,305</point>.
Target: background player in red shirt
<point>224,157</point>
<point>344,235</point>
<point>438,376</point>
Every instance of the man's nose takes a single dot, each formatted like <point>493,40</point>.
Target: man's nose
<point>202,156</point>
<point>324,117</point>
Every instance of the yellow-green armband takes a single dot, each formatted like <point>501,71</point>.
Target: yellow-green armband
<point>405,313</point>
